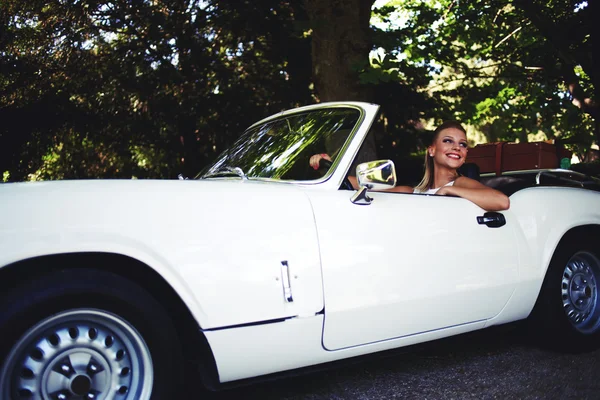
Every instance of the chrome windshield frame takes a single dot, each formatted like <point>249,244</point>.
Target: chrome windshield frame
<point>337,173</point>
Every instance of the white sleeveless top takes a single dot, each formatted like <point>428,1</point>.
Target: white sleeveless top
<point>434,191</point>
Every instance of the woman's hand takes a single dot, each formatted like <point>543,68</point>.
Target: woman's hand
<point>444,190</point>
<point>316,159</point>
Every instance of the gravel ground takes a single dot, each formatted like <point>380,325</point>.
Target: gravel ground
<point>492,364</point>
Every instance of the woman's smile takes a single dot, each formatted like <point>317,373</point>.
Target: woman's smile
<point>454,155</point>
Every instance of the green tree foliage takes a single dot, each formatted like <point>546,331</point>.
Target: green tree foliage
<point>138,88</point>
<point>152,88</point>
<point>510,68</point>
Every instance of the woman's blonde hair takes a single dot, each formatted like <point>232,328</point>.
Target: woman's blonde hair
<point>427,180</point>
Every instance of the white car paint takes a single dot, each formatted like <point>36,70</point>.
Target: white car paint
<point>292,344</point>
<point>191,232</point>
<point>295,343</point>
<point>364,278</point>
<point>414,263</point>
<point>544,215</point>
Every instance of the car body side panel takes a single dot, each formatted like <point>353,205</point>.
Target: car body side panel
<point>292,344</point>
<point>541,220</point>
<point>409,263</point>
<point>544,215</point>
<point>219,244</point>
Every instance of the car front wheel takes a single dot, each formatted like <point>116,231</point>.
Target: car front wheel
<point>87,334</point>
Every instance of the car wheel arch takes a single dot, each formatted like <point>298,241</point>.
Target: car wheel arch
<point>573,234</point>
<point>197,349</point>
<point>557,241</point>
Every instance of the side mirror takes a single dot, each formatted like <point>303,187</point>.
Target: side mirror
<point>376,175</point>
<point>373,175</point>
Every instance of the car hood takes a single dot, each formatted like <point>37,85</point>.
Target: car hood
<point>142,207</point>
<point>119,193</point>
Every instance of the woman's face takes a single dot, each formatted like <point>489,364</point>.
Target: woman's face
<point>449,148</point>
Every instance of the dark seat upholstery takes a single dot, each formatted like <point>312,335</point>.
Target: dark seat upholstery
<point>507,184</point>
<point>470,170</point>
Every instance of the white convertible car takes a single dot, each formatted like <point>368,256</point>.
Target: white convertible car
<point>131,289</point>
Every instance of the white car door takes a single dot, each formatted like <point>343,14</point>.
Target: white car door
<point>408,264</point>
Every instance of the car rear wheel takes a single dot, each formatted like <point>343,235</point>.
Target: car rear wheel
<point>579,292</point>
<point>567,313</point>
<point>87,334</point>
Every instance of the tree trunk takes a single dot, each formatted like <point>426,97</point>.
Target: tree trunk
<point>340,47</point>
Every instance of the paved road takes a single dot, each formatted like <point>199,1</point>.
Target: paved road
<point>491,364</point>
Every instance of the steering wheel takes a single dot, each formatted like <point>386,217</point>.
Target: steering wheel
<point>326,164</point>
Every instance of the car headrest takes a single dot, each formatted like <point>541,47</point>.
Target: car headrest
<point>470,170</point>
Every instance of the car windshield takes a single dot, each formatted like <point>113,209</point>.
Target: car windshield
<point>281,148</point>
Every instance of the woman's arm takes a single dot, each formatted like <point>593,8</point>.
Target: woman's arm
<point>400,189</point>
<point>485,197</point>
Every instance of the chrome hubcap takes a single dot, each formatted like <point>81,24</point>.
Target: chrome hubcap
<point>580,292</point>
<point>79,354</point>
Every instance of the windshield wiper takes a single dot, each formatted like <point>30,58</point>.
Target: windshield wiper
<point>227,171</point>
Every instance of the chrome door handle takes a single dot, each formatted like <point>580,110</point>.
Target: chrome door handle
<point>492,219</point>
<point>285,280</point>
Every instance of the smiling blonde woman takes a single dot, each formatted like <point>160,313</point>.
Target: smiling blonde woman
<point>447,153</point>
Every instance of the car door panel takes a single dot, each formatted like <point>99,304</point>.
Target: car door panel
<point>408,264</point>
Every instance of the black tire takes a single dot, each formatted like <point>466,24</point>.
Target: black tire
<point>52,324</point>
<point>566,316</point>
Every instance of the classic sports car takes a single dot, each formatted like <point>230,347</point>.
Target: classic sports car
<point>129,289</point>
